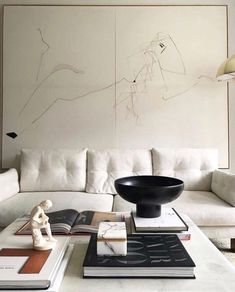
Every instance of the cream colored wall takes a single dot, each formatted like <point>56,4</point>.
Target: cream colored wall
<point>231,10</point>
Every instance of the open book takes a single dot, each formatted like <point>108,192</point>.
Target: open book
<point>70,221</point>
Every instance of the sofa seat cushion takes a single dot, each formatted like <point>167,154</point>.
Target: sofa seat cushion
<point>104,166</point>
<point>53,170</point>
<point>22,203</point>
<point>193,166</point>
<point>204,208</point>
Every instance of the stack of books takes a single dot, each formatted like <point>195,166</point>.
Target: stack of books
<point>169,222</point>
<point>148,256</point>
<point>24,268</point>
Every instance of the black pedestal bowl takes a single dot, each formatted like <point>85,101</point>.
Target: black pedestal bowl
<point>149,192</point>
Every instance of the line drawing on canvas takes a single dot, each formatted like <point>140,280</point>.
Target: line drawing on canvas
<point>47,48</point>
<point>153,57</point>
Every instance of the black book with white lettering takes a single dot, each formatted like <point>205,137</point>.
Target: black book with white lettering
<point>148,256</point>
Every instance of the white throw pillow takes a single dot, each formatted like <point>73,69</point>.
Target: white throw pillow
<point>107,165</point>
<point>193,166</point>
<point>53,170</point>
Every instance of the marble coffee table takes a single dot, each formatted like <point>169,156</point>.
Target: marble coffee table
<point>213,271</point>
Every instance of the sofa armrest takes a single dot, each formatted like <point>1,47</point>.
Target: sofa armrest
<point>223,185</point>
<point>9,184</point>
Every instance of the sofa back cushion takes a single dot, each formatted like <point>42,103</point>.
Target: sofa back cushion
<point>107,165</point>
<point>53,170</point>
<point>193,166</point>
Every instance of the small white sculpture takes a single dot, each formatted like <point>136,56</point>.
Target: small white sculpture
<point>39,220</point>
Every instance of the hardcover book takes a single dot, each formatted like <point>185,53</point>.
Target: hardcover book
<point>69,221</point>
<point>183,235</point>
<point>169,220</point>
<point>24,268</point>
<point>55,286</point>
<point>148,256</point>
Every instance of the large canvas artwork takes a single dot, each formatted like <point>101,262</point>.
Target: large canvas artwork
<point>114,77</point>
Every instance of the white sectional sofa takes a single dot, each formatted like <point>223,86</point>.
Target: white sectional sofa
<point>84,179</point>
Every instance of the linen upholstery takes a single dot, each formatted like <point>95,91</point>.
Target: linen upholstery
<point>223,184</point>
<point>22,203</point>
<point>204,208</point>
<point>218,231</point>
<point>105,166</point>
<point>193,166</point>
<point>53,170</point>
<point>212,211</point>
<point>9,184</point>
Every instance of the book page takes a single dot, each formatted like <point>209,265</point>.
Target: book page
<point>88,221</point>
<point>60,222</point>
<point>84,218</point>
<point>67,216</point>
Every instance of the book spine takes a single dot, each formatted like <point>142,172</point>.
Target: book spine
<point>184,236</point>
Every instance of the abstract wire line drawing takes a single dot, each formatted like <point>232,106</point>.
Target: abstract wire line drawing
<point>47,47</point>
<point>57,69</point>
<point>155,53</point>
<point>155,57</point>
<point>154,61</point>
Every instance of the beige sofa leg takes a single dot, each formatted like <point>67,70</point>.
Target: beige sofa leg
<point>233,244</point>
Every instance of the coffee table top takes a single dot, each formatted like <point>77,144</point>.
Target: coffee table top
<point>213,271</point>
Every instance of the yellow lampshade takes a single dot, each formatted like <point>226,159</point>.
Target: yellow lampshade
<point>226,70</point>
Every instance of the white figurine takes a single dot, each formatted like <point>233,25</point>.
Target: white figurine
<point>39,220</point>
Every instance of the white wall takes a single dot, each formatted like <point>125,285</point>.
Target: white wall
<point>231,39</point>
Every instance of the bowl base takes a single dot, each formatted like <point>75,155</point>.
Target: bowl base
<point>148,211</point>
